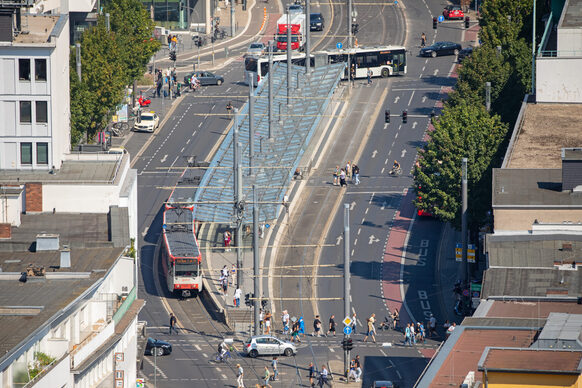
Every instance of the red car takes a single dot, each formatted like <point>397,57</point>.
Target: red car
<point>453,12</point>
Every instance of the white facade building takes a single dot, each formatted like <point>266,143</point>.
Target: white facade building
<point>34,94</point>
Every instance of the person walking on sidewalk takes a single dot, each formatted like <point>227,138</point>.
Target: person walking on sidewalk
<point>407,335</point>
<point>331,325</point>
<point>285,321</point>
<point>431,326</point>
<point>422,40</point>
<point>371,331</point>
<point>227,239</point>
<point>275,369</point>
<point>316,327</point>
<point>395,318</point>
<point>173,321</point>
<point>354,323</point>
<point>267,377</point>
<point>311,374</point>
<point>323,376</point>
<point>233,273</point>
<point>239,376</point>
<point>369,75</point>
<point>356,174</point>
<point>237,296</point>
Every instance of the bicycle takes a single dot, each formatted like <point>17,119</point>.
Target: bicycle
<point>396,171</point>
<point>220,358</point>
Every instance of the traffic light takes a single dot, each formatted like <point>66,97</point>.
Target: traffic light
<point>404,116</point>
<point>355,28</point>
<point>387,115</point>
<point>263,304</point>
<point>467,22</point>
<point>248,300</point>
<point>434,23</point>
<point>349,344</point>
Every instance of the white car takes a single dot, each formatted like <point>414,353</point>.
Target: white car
<point>259,345</point>
<point>149,122</point>
<point>257,48</point>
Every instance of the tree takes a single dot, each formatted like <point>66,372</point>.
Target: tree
<point>502,21</point>
<point>464,130</point>
<point>133,28</point>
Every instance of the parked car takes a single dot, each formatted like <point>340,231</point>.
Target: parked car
<point>257,48</point>
<point>295,8</point>
<point>259,345</point>
<point>453,12</point>
<point>157,347</point>
<point>316,22</point>
<point>464,53</point>
<point>440,48</point>
<point>148,123</point>
<point>205,78</point>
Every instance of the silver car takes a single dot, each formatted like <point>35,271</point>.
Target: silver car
<point>256,48</point>
<point>260,345</point>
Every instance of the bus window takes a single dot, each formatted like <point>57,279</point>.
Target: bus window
<point>372,60</point>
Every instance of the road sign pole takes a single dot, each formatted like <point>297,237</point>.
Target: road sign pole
<point>256,270</point>
<point>346,277</point>
<point>464,219</point>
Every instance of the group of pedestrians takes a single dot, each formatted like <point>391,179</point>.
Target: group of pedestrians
<point>349,171</point>
<point>166,77</point>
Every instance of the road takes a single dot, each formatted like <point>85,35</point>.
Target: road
<point>196,125</point>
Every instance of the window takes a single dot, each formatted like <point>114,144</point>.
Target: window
<point>41,153</point>
<point>24,69</point>
<point>41,112</point>
<point>40,69</point>
<point>25,112</point>
<point>25,153</point>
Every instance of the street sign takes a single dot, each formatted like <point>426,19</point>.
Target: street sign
<point>441,18</point>
<point>471,253</point>
<point>267,225</point>
<point>347,321</point>
<point>459,252</point>
<point>395,2</point>
<point>139,383</point>
<point>465,292</point>
<point>347,330</point>
<point>339,45</point>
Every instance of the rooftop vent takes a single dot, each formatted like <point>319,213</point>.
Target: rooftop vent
<point>571,168</point>
<point>47,242</point>
<point>65,257</point>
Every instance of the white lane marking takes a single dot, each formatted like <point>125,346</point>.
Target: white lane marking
<point>224,376</point>
<point>182,150</point>
<point>423,99</point>
<point>383,168</point>
<point>412,95</point>
<point>359,231</point>
<point>396,136</point>
<point>363,220</point>
<point>214,105</point>
<point>436,71</point>
<point>352,253</point>
<point>161,372</point>
<point>330,348</point>
<point>403,153</point>
<point>371,198</point>
<point>204,355</point>
<point>424,67</point>
<point>228,90</point>
<point>385,125</point>
<point>164,159</point>
<point>356,241</point>
<point>372,240</point>
<point>383,205</point>
<point>188,141</point>
<point>414,125</point>
<point>198,347</point>
<point>352,205</point>
<point>386,161</point>
<point>367,210</point>
<point>145,231</point>
<point>199,125</point>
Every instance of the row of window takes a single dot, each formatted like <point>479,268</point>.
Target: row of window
<point>41,111</point>
<point>24,67</point>
<point>26,153</point>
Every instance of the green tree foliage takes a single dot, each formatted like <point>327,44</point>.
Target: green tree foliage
<point>464,130</point>
<point>502,21</point>
<point>133,27</point>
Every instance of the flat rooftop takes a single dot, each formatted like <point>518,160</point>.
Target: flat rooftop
<point>545,130</point>
<point>36,28</point>
<point>24,307</point>
<point>71,171</point>
<point>535,309</point>
<point>534,282</point>
<point>531,360</point>
<point>573,15</point>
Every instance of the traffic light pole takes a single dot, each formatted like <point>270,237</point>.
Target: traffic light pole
<point>256,258</point>
<point>346,278</point>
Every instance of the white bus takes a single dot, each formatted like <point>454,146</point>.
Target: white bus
<point>383,61</point>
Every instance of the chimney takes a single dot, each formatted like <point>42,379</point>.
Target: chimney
<point>65,257</point>
<point>571,169</point>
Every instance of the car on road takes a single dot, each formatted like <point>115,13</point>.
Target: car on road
<point>440,48</point>
<point>149,122</point>
<point>205,78</point>
<point>384,384</point>
<point>453,12</point>
<point>257,48</point>
<point>464,53</point>
<point>260,345</point>
<point>295,8</point>
<point>156,347</point>
<point>316,22</point>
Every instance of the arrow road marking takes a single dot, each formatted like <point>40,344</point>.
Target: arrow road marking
<point>396,99</point>
<point>423,99</point>
<point>164,159</point>
<point>339,240</point>
<point>383,205</point>
<point>352,205</point>
<point>374,153</point>
<point>385,125</point>
<point>436,71</point>
<point>373,239</point>
<point>414,125</point>
<point>403,153</point>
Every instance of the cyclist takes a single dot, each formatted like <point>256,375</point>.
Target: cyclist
<point>229,107</point>
<point>223,352</point>
<point>395,168</point>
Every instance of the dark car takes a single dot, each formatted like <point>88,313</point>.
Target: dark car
<point>295,8</point>
<point>440,48</point>
<point>453,12</point>
<point>316,22</point>
<point>157,347</point>
<point>205,78</point>
<point>464,53</point>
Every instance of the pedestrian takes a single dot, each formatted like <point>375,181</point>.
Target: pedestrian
<point>237,296</point>
<point>371,331</point>
<point>431,326</point>
<point>331,325</point>
<point>348,169</point>
<point>413,333</point>
<point>169,38</point>
<point>336,176</point>
<point>285,321</point>
<point>316,327</point>
<point>407,333</point>
<point>369,75</point>
<point>311,374</point>
<point>450,329</point>
<point>356,173</point>
<point>261,319</point>
<point>354,323</point>
<point>301,326</point>
<point>158,86</point>
<point>239,376</point>
<point>275,369</point>
<point>224,283</point>
<point>266,377</point>
<point>295,332</point>
<point>353,73</point>
<point>352,372</point>
<point>343,178</point>
<point>233,273</point>
<point>421,333</point>
<point>173,321</point>
<point>267,322</point>
<point>395,318</point>
<point>323,376</point>
<point>227,238</point>
<point>422,40</point>
<point>358,369</point>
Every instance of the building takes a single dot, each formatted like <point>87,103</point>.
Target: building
<point>34,96</point>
